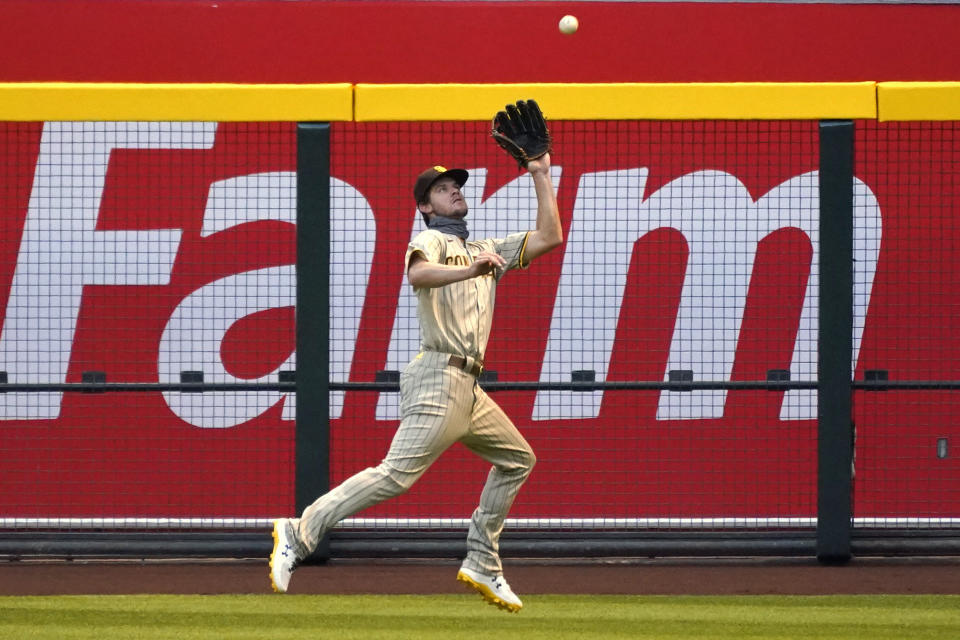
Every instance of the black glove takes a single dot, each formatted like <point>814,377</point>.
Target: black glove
<point>522,131</point>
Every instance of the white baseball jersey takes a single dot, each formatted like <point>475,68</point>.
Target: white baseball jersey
<point>457,318</point>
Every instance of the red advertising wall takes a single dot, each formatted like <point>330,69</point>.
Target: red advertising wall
<point>281,41</point>
<point>131,454</point>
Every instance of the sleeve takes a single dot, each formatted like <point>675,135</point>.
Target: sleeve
<point>511,250</point>
<point>429,243</point>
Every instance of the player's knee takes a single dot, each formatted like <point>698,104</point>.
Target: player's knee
<point>531,460</point>
<point>524,463</point>
<point>398,481</point>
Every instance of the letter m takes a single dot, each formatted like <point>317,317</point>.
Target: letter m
<point>723,227</point>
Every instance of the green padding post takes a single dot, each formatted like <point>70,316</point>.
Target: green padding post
<point>835,391</point>
<point>313,318</point>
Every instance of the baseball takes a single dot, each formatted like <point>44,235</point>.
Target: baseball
<point>569,24</point>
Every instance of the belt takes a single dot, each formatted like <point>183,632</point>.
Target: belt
<point>461,363</point>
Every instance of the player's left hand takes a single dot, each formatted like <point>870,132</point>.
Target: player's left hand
<point>522,131</point>
<point>487,262</point>
<point>540,165</point>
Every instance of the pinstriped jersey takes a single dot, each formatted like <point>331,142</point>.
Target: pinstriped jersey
<point>457,318</point>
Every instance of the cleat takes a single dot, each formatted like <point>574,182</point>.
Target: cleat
<point>494,589</point>
<point>283,559</point>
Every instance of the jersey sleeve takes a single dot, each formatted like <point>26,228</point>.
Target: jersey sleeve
<point>511,249</point>
<point>429,243</point>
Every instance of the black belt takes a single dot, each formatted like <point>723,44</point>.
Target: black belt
<point>461,363</point>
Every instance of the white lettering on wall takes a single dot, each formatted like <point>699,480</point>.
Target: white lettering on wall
<point>723,227</point>
<point>60,251</point>
<point>194,335</point>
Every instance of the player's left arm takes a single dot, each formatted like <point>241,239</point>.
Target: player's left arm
<point>548,235</point>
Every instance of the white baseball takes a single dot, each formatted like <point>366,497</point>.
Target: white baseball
<point>569,24</point>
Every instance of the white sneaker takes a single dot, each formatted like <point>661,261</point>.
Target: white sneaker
<point>494,589</point>
<point>283,559</point>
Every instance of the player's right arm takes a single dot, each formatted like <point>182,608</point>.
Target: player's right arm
<point>423,274</point>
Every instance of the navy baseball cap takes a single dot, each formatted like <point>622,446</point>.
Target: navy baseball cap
<point>426,179</point>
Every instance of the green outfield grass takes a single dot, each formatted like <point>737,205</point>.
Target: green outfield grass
<point>466,616</point>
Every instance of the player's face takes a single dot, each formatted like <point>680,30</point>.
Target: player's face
<point>446,199</point>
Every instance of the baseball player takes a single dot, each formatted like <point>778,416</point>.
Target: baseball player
<point>454,279</point>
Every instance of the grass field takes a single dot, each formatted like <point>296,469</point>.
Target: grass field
<point>466,616</point>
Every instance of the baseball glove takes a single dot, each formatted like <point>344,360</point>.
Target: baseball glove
<point>522,131</point>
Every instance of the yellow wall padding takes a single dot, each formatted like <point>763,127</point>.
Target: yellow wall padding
<point>43,101</point>
<point>918,101</point>
<point>733,101</point>
<point>887,101</point>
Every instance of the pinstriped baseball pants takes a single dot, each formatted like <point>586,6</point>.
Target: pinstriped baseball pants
<point>439,405</point>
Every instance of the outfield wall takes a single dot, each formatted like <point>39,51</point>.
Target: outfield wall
<point>143,250</point>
